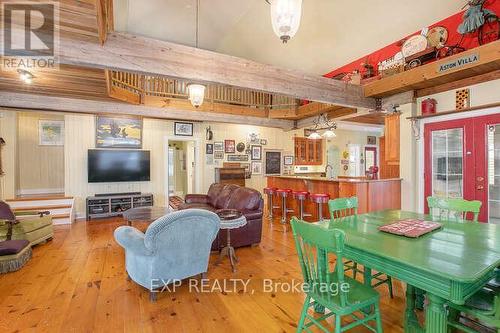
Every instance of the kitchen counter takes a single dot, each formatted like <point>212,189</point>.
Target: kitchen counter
<point>373,194</point>
<point>348,180</point>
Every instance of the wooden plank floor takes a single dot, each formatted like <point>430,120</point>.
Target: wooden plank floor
<point>76,283</point>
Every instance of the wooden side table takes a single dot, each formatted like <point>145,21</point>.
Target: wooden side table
<point>228,223</point>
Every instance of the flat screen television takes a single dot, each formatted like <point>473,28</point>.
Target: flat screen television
<point>106,165</point>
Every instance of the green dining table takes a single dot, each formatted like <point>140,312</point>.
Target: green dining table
<point>449,264</point>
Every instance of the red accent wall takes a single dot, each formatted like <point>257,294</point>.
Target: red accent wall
<point>451,23</point>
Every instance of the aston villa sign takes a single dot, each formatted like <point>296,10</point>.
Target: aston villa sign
<point>457,63</point>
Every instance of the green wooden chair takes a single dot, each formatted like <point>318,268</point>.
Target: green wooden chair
<point>342,295</point>
<point>453,209</point>
<point>484,306</point>
<point>343,207</point>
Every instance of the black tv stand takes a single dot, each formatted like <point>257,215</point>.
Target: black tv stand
<point>114,204</point>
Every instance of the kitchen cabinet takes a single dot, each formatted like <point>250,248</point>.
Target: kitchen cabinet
<point>392,137</point>
<point>308,151</point>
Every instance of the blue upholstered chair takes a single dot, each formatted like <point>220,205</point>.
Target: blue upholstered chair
<point>174,247</point>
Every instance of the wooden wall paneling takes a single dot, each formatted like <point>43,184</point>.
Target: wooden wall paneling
<point>384,195</point>
<point>40,167</point>
<point>8,131</point>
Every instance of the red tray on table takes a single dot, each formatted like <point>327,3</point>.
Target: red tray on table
<point>410,227</point>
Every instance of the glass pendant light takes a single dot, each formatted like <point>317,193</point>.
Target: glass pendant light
<point>196,91</point>
<point>196,94</point>
<point>285,17</point>
<point>329,133</point>
<point>314,136</point>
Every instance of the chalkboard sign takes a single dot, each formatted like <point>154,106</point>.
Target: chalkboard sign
<point>273,163</point>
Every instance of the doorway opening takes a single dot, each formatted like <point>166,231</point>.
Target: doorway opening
<point>182,175</point>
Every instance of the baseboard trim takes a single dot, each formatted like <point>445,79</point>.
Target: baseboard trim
<point>40,191</point>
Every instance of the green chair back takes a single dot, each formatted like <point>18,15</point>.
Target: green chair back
<point>313,244</point>
<point>454,209</point>
<point>343,207</point>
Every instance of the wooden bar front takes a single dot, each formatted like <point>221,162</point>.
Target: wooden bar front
<point>373,195</point>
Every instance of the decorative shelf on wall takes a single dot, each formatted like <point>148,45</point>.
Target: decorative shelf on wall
<point>470,63</point>
<point>444,113</point>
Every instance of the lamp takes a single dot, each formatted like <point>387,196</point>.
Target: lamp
<point>320,124</point>
<point>196,91</point>
<point>285,17</point>
<point>196,94</point>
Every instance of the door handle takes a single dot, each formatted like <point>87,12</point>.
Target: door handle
<point>480,179</point>
<point>480,187</point>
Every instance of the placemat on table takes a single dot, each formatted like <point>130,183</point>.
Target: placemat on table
<point>410,227</point>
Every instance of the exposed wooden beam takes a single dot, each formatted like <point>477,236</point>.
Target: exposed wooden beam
<point>290,113</point>
<point>398,99</point>
<point>336,114</point>
<point>138,54</point>
<point>105,22</point>
<point>429,75</point>
<point>50,103</point>
<point>495,75</point>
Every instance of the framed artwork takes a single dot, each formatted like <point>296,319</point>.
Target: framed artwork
<point>229,146</point>
<point>256,168</point>
<point>371,140</point>
<point>248,172</point>
<point>218,146</point>
<point>263,142</point>
<point>288,160</point>
<point>183,129</point>
<point>51,132</point>
<point>210,148</point>
<point>256,153</point>
<point>253,138</point>
<point>240,147</point>
<point>219,155</point>
<point>237,158</point>
<point>114,132</point>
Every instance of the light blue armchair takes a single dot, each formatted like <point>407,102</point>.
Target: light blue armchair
<point>174,247</point>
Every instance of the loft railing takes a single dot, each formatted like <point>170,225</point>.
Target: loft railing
<point>177,89</point>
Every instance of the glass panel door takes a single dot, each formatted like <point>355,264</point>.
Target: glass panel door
<point>447,161</point>
<point>493,169</point>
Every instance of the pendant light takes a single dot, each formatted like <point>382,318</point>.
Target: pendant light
<point>196,94</point>
<point>285,17</point>
<point>320,124</point>
<point>196,91</point>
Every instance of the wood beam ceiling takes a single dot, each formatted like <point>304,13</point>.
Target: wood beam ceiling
<point>137,54</point>
<point>62,104</point>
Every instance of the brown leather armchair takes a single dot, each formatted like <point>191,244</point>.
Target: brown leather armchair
<point>229,196</point>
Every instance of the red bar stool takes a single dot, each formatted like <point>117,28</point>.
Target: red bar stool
<point>301,196</point>
<point>284,193</point>
<point>320,199</point>
<point>270,192</point>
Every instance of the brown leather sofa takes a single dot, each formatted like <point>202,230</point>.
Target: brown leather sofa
<point>229,196</point>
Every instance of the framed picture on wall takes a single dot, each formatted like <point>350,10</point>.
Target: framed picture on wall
<point>256,153</point>
<point>218,146</point>
<point>256,168</point>
<point>51,132</point>
<point>288,160</point>
<point>229,146</point>
<point>183,129</point>
<point>219,155</point>
<point>371,140</point>
<point>273,160</point>
<point>210,148</point>
<point>118,132</point>
<point>237,158</point>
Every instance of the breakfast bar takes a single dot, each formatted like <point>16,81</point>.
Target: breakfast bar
<point>373,194</point>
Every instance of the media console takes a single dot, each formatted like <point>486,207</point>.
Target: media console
<point>108,205</point>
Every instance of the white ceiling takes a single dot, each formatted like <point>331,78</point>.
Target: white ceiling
<point>332,32</point>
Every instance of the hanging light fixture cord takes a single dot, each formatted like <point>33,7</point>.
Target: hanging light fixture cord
<point>197,21</point>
